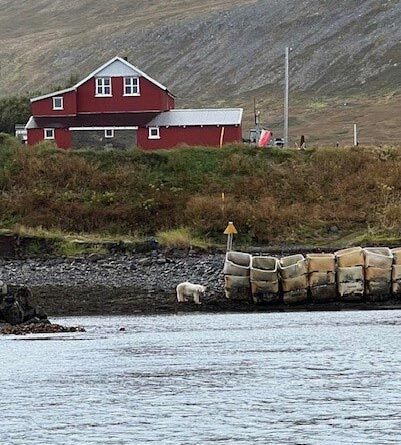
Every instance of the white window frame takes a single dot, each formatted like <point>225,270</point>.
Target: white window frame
<point>132,85</point>
<point>51,137</point>
<point>101,87</point>
<point>154,136</point>
<point>61,107</point>
<point>109,135</point>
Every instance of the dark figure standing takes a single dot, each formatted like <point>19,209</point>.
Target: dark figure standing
<point>302,143</point>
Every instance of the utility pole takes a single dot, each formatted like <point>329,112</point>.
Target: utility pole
<point>355,135</point>
<point>257,121</point>
<point>287,93</point>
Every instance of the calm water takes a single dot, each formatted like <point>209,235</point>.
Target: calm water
<point>301,378</point>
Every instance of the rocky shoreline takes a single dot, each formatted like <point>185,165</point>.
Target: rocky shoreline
<point>37,328</point>
<point>124,284</point>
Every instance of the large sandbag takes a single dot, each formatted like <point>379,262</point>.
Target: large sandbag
<point>265,291</point>
<point>350,257</point>
<point>352,291</point>
<point>237,264</point>
<point>293,284</point>
<point>396,279</point>
<point>380,257</point>
<point>323,294</point>
<point>350,274</point>
<point>265,286</point>
<point>321,278</point>
<point>321,262</point>
<point>396,288</point>
<point>378,274</point>
<point>295,297</point>
<point>237,288</point>
<point>236,270</point>
<point>396,272</point>
<point>378,290</point>
<point>293,266</point>
<point>264,269</point>
<point>239,258</point>
<point>396,255</point>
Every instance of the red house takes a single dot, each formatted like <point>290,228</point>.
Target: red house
<point>120,106</point>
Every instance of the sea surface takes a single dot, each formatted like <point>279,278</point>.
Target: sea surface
<point>290,378</point>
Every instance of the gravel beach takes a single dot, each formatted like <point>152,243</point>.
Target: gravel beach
<point>124,284</point>
<point>116,284</point>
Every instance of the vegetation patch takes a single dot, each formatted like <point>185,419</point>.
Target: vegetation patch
<point>187,195</point>
<point>180,238</point>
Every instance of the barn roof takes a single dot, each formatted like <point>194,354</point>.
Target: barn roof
<point>196,117</point>
<point>104,69</point>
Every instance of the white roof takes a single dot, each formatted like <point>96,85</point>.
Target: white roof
<point>207,116</point>
<point>108,68</point>
<point>31,123</point>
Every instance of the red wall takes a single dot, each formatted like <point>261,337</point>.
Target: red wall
<point>44,107</point>
<point>63,138</point>
<point>83,100</point>
<point>151,98</point>
<point>35,135</point>
<point>174,136</point>
<point>169,137</point>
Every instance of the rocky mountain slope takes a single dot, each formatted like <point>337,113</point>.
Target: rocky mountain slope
<point>211,52</point>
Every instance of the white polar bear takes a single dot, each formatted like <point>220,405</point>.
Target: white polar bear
<point>190,290</point>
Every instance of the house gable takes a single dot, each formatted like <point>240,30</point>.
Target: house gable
<point>148,95</point>
<point>118,69</point>
<point>112,66</point>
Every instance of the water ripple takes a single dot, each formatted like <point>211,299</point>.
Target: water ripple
<point>296,378</point>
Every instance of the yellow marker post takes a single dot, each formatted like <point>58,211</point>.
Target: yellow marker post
<point>230,232</point>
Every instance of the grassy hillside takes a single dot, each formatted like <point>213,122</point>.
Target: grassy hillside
<point>221,52</point>
<point>316,196</point>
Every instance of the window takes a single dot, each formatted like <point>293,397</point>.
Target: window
<point>131,86</point>
<point>154,133</point>
<point>49,133</point>
<point>58,103</point>
<point>103,86</point>
<point>109,133</point>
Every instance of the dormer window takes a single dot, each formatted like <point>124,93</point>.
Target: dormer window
<point>131,86</point>
<point>103,86</point>
<point>58,103</point>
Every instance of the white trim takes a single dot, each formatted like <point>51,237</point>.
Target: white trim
<point>150,136</point>
<point>29,123</point>
<point>101,128</point>
<point>93,74</point>
<point>111,136</point>
<point>131,85</point>
<point>100,84</point>
<point>45,130</point>
<point>61,107</point>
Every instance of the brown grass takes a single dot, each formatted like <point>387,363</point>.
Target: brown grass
<point>272,196</point>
